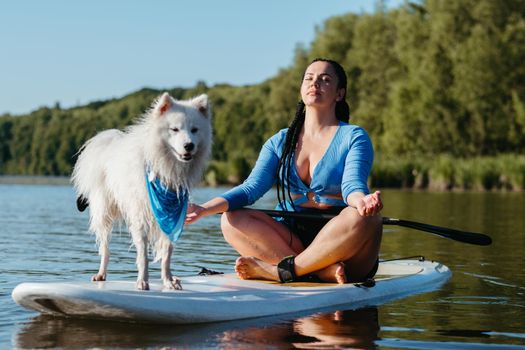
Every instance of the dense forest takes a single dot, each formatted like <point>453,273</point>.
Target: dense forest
<point>439,85</point>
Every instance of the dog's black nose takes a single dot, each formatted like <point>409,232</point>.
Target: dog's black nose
<point>189,146</point>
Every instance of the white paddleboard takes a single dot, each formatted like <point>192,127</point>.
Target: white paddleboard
<point>224,297</point>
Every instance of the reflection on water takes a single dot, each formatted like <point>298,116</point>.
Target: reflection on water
<point>44,238</point>
<point>354,329</point>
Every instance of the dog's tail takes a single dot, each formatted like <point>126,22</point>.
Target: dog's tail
<point>82,203</point>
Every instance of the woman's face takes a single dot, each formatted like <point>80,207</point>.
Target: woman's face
<point>319,87</point>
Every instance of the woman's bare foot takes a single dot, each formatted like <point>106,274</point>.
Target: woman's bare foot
<point>252,268</point>
<point>334,273</point>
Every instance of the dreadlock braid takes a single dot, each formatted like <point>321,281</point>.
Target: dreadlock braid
<point>286,160</point>
<point>342,113</point>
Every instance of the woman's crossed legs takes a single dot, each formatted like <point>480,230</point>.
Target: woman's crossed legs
<point>345,250</point>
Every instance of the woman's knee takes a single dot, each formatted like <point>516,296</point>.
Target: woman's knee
<point>231,219</point>
<point>351,219</point>
<point>230,222</point>
<point>360,224</point>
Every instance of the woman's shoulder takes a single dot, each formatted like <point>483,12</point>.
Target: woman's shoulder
<point>352,130</point>
<point>279,135</point>
<point>277,139</point>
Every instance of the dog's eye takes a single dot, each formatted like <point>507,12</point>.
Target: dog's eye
<point>175,129</point>
<point>194,130</point>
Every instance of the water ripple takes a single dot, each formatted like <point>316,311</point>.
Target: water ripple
<point>43,238</point>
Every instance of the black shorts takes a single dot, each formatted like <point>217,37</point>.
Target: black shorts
<point>307,229</point>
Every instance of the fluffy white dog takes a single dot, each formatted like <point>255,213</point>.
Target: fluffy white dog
<point>127,175</point>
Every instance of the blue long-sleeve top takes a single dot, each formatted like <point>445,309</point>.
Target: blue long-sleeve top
<point>343,169</point>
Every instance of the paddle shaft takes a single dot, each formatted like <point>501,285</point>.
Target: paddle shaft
<point>457,235</point>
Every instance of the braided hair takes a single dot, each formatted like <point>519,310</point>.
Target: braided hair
<point>342,112</point>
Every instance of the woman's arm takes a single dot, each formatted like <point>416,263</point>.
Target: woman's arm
<point>358,163</point>
<point>260,180</point>
<point>354,185</point>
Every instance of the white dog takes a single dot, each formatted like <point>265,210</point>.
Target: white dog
<point>118,172</point>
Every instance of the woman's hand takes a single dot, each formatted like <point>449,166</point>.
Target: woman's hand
<point>194,213</point>
<point>370,204</point>
<point>214,206</point>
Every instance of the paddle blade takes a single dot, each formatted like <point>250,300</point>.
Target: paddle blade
<point>457,235</point>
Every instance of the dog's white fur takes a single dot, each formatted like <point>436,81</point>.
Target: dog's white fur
<point>111,174</point>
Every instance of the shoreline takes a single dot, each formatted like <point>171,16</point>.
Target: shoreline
<point>34,180</point>
<point>51,180</point>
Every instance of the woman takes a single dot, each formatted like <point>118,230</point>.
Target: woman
<point>320,164</point>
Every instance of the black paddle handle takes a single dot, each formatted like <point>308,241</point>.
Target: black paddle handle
<point>457,235</point>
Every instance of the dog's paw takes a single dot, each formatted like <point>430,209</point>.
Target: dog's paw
<point>98,277</point>
<point>172,283</point>
<point>142,285</point>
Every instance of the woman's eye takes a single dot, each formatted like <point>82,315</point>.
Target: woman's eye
<point>175,129</point>
<point>194,130</point>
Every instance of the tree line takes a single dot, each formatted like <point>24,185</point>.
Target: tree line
<point>431,80</point>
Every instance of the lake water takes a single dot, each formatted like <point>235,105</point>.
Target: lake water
<point>44,238</point>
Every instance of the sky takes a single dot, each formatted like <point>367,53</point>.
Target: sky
<point>76,52</point>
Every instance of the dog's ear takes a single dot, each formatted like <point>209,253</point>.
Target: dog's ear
<point>202,103</point>
<point>163,104</point>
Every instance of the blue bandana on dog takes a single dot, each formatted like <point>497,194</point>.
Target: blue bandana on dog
<point>168,207</point>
